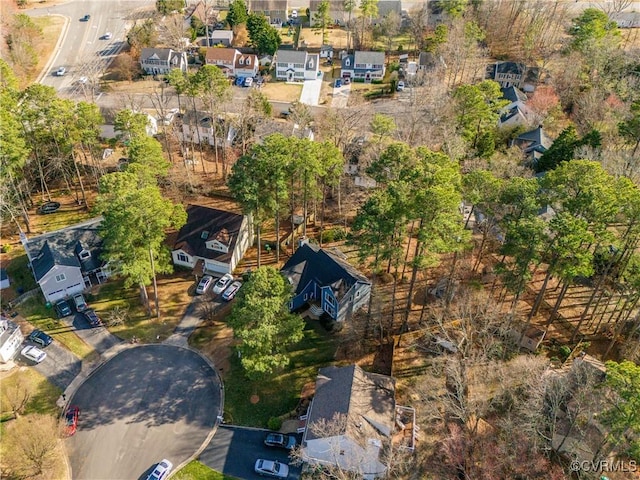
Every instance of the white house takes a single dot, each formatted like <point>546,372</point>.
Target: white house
<point>67,261</point>
<point>297,65</point>
<point>200,127</point>
<point>363,65</point>
<point>161,61</point>
<point>4,279</point>
<point>212,241</point>
<point>10,339</point>
<point>360,409</point>
<point>232,62</point>
<point>220,37</point>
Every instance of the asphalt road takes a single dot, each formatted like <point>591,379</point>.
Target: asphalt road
<point>147,403</point>
<point>234,451</point>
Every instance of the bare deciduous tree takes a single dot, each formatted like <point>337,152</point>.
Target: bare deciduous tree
<point>32,445</point>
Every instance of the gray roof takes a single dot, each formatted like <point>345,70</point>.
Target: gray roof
<point>376,58</point>
<point>386,6</point>
<point>325,268</point>
<point>535,139</point>
<point>162,53</point>
<point>267,5</point>
<point>367,400</point>
<point>312,65</point>
<point>62,247</point>
<point>291,56</point>
<point>513,94</point>
<point>221,35</point>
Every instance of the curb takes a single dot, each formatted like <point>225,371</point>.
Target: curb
<point>54,57</point>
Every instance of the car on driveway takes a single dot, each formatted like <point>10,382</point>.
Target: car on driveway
<point>71,420</point>
<point>400,86</point>
<point>222,283</point>
<point>230,292</point>
<point>92,317</point>
<point>61,71</point>
<point>62,308</point>
<point>79,302</point>
<point>271,468</point>
<point>162,470</point>
<point>205,283</point>
<point>280,440</point>
<point>41,338</point>
<point>338,83</point>
<point>33,353</point>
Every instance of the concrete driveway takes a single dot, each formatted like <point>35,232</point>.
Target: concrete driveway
<point>234,451</point>
<point>60,367</point>
<point>99,338</point>
<point>147,403</point>
<point>340,96</point>
<point>310,94</point>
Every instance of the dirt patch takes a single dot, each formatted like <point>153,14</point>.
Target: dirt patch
<point>282,92</point>
<point>254,399</point>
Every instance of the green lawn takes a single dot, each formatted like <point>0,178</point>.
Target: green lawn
<point>62,218</point>
<point>43,394</point>
<point>279,395</point>
<point>43,318</point>
<point>198,471</point>
<point>19,272</point>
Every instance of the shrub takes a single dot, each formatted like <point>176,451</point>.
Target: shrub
<point>6,248</point>
<point>274,423</point>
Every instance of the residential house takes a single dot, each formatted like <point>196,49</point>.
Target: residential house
<point>325,281</point>
<point>10,339</point>
<point>361,417</point>
<point>326,51</point>
<point>232,62</point>
<point>220,37</point>
<point>109,130</point>
<point>297,65</point>
<point>65,262</point>
<point>363,65</point>
<point>160,61</point>
<point>275,10</point>
<point>426,61</point>
<point>533,144</point>
<point>204,12</point>
<point>514,74</point>
<point>201,127</point>
<point>516,113</point>
<point>212,241</point>
<point>4,279</point>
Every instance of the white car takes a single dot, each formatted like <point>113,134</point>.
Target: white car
<point>223,283</point>
<point>107,36</point>
<point>205,283</point>
<point>400,86</point>
<point>162,470</point>
<point>294,13</point>
<point>83,80</point>
<point>230,292</point>
<point>33,353</point>
<point>61,71</point>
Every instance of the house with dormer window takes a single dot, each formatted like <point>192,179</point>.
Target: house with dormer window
<point>160,61</point>
<point>232,62</point>
<point>65,262</point>
<point>297,65</point>
<point>367,66</point>
<point>212,241</point>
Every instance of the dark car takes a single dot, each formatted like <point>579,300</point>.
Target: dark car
<point>62,308</point>
<point>41,338</point>
<point>279,440</point>
<point>71,420</point>
<point>92,317</point>
<point>85,18</point>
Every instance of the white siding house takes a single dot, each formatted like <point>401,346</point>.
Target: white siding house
<point>154,61</point>
<point>297,65</point>
<point>10,339</point>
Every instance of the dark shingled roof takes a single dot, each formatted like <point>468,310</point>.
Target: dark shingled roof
<point>326,268</point>
<point>366,400</point>
<point>222,226</point>
<point>513,94</point>
<point>62,247</point>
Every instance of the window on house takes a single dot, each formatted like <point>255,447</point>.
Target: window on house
<point>204,235</point>
<point>311,63</point>
<point>183,258</point>
<point>85,254</point>
<point>61,277</point>
<point>248,61</point>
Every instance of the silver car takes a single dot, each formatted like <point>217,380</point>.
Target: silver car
<point>33,353</point>
<point>205,283</point>
<point>222,283</point>
<point>271,468</point>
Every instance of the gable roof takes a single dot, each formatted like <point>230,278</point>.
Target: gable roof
<point>220,225</point>
<point>513,94</point>
<point>367,400</point>
<point>268,5</point>
<point>311,62</point>
<point>374,58</point>
<point>535,139</point>
<point>291,56</point>
<point>224,54</point>
<point>221,35</point>
<point>61,247</point>
<point>325,268</point>
<point>162,53</point>
<point>246,60</point>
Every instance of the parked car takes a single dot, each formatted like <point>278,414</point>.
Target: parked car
<point>279,440</point>
<point>79,302</point>
<point>239,81</point>
<point>338,83</point>
<point>107,36</point>
<point>61,71</point>
<point>346,80</point>
<point>248,82</point>
<point>33,353</point>
<point>92,317</point>
<point>162,470</point>
<point>204,284</point>
<point>222,283</point>
<point>400,86</point>
<point>41,338</point>
<point>271,468</point>
<point>85,18</point>
<point>294,13</point>
<point>62,308</point>
<point>230,292</point>
<point>71,420</point>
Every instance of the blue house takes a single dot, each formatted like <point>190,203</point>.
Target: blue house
<point>326,282</point>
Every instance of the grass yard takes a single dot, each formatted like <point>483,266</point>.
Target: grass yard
<point>278,396</point>
<point>282,92</point>
<point>198,471</point>
<point>43,394</point>
<point>37,314</point>
<point>68,214</point>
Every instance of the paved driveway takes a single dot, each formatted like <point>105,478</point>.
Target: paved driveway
<point>147,403</point>
<point>234,451</point>
<point>311,91</point>
<point>340,96</point>
<point>60,367</point>
<point>99,338</point>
